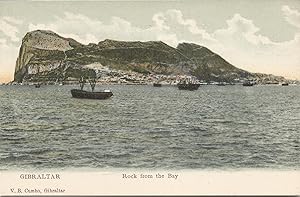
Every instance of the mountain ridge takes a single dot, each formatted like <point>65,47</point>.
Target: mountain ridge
<point>45,55</point>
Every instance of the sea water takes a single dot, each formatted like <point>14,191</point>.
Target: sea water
<point>146,127</point>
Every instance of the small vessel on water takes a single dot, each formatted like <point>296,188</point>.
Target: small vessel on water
<point>248,83</point>
<point>76,93</point>
<point>91,95</point>
<point>38,85</point>
<point>188,84</point>
<point>285,84</point>
<point>157,84</point>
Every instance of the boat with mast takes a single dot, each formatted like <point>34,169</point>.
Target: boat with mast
<point>157,84</point>
<point>76,93</point>
<point>188,84</point>
<point>248,83</point>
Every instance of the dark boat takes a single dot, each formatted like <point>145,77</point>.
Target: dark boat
<point>157,84</point>
<point>37,85</point>
<point>188,84</point>
<point>76,93</point>
<point>91,95</point>
<point>285,84</point>
<point>248,83</point>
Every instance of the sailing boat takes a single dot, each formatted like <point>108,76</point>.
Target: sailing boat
<point>188,84</point>
<point>76,93</point>
<point>157,83</point>
<point>248,83</point>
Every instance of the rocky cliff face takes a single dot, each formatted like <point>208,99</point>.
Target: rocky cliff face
<point>209,66</point>
<point>41,52</point>
<point>44,55</point>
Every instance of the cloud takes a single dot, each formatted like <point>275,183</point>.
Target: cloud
<point>292,16</point>
<point>159,20</point>
<point>2,41</point>
<point>8,26</point>
<point>8,56</point>
<point>242,29</point>
<point>242,44</point>
<point>172,22</point>
<point>13,20</point>
<point>86,30</point>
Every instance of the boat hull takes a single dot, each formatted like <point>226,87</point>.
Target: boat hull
<point>157,85</point>
<point>188,86</point>
<point>90,95</point>
<point>248,84</point>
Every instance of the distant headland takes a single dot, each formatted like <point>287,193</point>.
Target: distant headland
<point>47,57</point>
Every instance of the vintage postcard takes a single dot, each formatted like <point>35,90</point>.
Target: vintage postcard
<point>126,97</point>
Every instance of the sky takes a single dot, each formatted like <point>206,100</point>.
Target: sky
<point>255,35</point>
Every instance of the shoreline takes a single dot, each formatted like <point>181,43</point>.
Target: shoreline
<point>141,84</point>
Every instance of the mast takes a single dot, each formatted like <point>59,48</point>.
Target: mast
<point>81,82</point>
<point>92,83</point>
